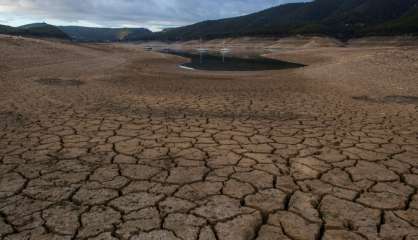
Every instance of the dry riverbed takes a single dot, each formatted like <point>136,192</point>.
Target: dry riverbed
<point>113,142</point>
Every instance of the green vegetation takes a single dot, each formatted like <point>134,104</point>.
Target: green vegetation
<point>338,18</point>
<point>6,29</point>
<point>42,30</point>
<point>405,24</point>
<point>90,34</point>
<point>342,19</point>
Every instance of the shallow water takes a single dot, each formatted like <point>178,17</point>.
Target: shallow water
<point>228,62</point>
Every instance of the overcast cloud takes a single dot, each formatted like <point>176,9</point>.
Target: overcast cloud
<point>154,14</point>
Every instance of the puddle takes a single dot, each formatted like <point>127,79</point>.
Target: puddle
<point>389,99</point>
<point>228,62</point>
<point>59,82</point>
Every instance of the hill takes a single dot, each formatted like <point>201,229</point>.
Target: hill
<point>8,30</point>
<point>406,24</point>
<point>90,34</point>
<point>337,18</point>
<point>41,30</point>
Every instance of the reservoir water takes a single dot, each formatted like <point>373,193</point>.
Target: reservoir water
<point>210,61</point>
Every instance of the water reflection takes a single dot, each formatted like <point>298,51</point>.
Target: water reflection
<point>226,60</point>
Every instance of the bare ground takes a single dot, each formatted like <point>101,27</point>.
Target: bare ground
<point>111,142</point>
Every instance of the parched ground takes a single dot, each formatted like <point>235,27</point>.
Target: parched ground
<point>110,142</point>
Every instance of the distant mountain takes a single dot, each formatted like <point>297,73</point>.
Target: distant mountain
<point>90,34</point>
<point>35,25</point>
<point>6,29</point>
<point>337,18</point>
<point>342,19</point>
<point>41,30</point>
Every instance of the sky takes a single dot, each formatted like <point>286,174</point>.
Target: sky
<point>153,14</point>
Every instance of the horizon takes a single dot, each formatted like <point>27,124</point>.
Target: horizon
<point>153,15</point>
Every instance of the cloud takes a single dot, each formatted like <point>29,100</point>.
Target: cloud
<point>155,14</point>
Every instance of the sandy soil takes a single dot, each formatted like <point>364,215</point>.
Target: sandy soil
<point>109,141</point>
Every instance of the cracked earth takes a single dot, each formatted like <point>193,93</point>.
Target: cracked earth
<point>126,147</point>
